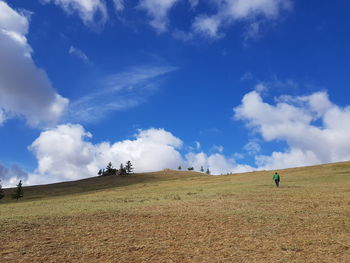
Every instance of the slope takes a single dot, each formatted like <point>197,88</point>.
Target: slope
<point>182,217</point>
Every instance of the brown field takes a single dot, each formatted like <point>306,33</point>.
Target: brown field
<point>174,216</point>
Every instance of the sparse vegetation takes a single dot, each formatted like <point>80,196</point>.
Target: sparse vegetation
<point>183,217</point>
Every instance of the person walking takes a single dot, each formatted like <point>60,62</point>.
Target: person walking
<point>276,178</point>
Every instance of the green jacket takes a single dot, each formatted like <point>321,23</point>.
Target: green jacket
<point>276,176</point>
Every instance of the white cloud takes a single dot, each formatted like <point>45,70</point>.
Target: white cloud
<point>252,148</point>
<point>194,3</point>
<point>242,9</point>
<point>217,163</point>
<point>260,88</point>
<point>315,129</point>
<point>207,26</point>
<point>9,177</point>
<point>119,5</point>
<point>65,153</point>
<point>158,11</point>
<point>25,89</point>
<point>253,30</point>
<point>78,53</point>
<point>291,158</point>
<point>217,148</point>
<point>230,11</point>
<point>2,117</point>
<point>90,11</point>
<point>118,92</point>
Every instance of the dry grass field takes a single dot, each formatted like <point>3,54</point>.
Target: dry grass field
<point>183,217</point>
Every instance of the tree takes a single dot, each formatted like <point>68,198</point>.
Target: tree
<point>179,168</point>
<point>190,168</point>
<point>208,171</point>
<point>128,167</point>
<point>122,170</point>
<point>109,166</point>
<point>100,172</point>
<point>18,192</point>
<point>109,170</point>
<point>202,169</point>
<point>2,193</point>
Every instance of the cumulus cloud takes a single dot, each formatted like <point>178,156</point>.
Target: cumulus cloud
<point>25,89</point>
<point>118,92</point>
<point>65,153</point>
<point>10,176</point>
<point>230,11</point>
<point>216,163</point>
<point>158,11</point>
<point>90,11</point>
<point>315,130</point>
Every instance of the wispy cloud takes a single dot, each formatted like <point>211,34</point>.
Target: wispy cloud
<point>79,54</point>
<point>217,148</point>
<point>119,5</point>
<point>118,92</point>
<point>91,12</point>
<point>158,11</point>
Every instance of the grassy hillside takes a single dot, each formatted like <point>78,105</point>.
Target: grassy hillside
<point>174,216</point>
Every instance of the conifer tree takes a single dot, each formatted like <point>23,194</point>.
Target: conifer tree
<point>109,166</point>
<point>128,167</point>
<point>122,170</point>
<point>109,170</point>
<point>179,168</point>
<point>202,169</point>
<point>208,171</point>
<point>2,193</point>
<point>18,192</point>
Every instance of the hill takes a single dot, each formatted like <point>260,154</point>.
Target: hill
<point>172,216</point>
<point>97,183</point>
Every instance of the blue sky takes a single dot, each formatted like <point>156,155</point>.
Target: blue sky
<point>229,85</point>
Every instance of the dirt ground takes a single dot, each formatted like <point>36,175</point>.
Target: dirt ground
<point>175,233</point>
